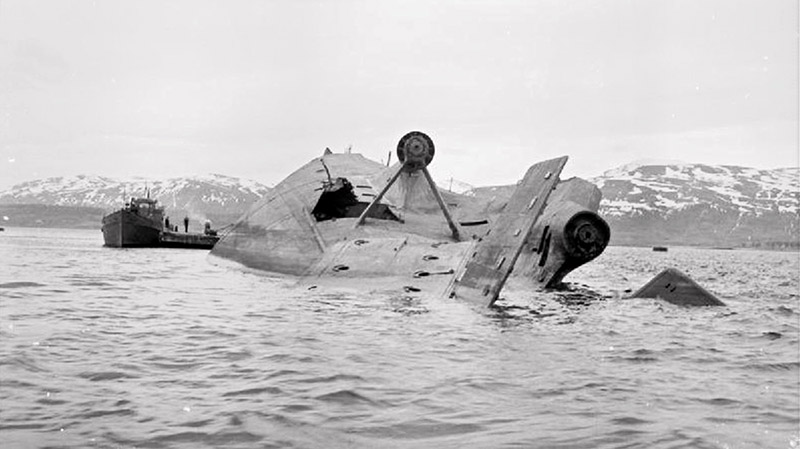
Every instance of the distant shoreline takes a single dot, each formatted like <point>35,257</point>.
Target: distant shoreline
<point>72,217</point>
<point>762,246</point>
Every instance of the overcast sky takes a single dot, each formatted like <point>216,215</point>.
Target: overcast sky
<point>256,88</point>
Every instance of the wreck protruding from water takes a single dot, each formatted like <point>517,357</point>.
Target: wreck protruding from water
<point>344,221</point>
<point>675,287</point>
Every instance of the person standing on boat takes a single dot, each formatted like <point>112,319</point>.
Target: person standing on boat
<point>186,223</point>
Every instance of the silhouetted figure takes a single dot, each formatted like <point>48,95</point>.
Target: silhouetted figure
<point>166,223</point>
<point>186,224</point>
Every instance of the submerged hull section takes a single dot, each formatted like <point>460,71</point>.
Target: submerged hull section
<point>347,222</point>
<point>677,288</point>
<point>125,229</point>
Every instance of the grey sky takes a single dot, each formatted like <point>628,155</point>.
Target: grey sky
<point>256,88</point>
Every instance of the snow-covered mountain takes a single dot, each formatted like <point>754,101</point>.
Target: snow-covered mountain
<point>701,204</point>
<point>667,189</point>
<point>215,194</point>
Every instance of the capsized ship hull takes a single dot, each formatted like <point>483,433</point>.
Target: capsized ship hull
<point>344,221</point>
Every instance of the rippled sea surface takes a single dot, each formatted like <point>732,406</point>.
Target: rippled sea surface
<point>163,348</point>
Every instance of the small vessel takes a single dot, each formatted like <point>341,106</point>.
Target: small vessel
<point>660,249</point>
<point>140,223</point>
<point>172,239</point>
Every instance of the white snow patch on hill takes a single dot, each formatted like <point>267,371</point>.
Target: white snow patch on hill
<point>666,188</point>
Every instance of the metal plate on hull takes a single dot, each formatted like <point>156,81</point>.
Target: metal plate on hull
<point>494,257</point>
<point>390,263</point>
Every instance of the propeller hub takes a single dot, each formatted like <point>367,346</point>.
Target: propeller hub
<point>415,150</point>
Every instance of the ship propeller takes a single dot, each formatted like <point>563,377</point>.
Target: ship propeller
<point>415,150</point>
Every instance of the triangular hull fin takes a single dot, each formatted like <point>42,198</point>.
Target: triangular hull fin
<point>677,288</point>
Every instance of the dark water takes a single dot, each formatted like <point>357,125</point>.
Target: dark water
<point>160,348</point>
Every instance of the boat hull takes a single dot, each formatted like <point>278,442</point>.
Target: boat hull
<point>189,241</point>
<point>123,229</point>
